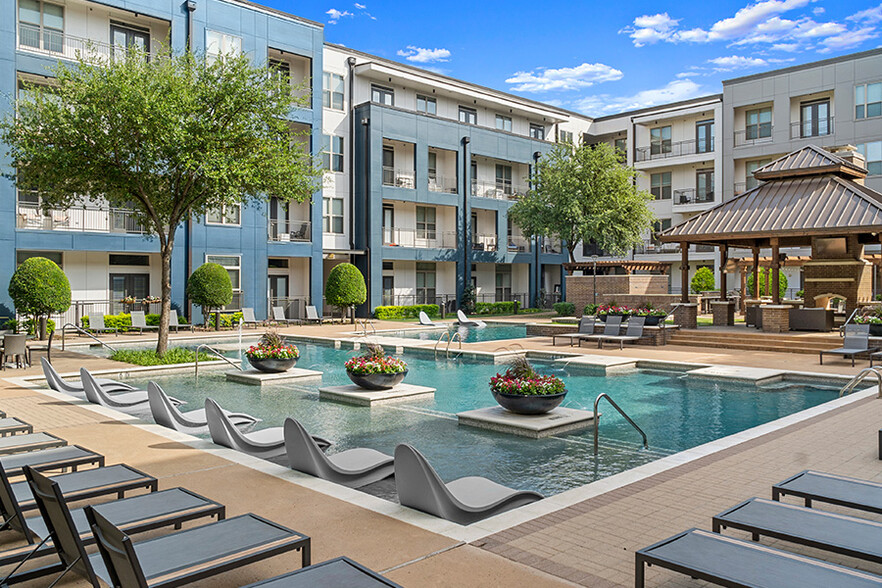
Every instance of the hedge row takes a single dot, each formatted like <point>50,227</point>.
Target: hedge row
<point>564,308</point>
<point>496,308</point>
<point>123,321</point>
<point>403,312</point>
<point>28,325</point>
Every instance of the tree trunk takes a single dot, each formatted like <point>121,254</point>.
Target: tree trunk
<point>165,308</point>
<point>570,250</point>
<point>43,322</point>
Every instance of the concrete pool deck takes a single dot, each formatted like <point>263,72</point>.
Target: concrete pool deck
<point>588,543</point>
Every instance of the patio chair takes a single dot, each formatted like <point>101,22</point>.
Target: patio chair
<point>193,422</point>
<point>426,321</point>
<point>466,321</point>
<point>833,489</point>
<point>313,316</point>
<point>733,562</point>
<point>353,468</point>
<point>586,327</point>
<point>174,322</point>
<point>266,443</point>
<point>57,383</point>
<point>16,348</point>
<point>248,318</point>
<point>279,317</point>
<point>633,333</point>
<point>69,456</point>
<point>462,501</point>
<point>96,325</point>
<point>610,329</point>
<point>334,573</point>
<point>139,321</point>
<point>11,426</point>
<point>38,345</point>
<point>123,401</point>
<point>32,442</point>
<point>855,342</point>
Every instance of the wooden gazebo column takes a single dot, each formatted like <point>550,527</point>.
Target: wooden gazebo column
<point>723,309</point>
<point>684,272</point>
<point>756,284</point>
<point>775,286</point>
<point>685,313</point>
<point>724,258</point>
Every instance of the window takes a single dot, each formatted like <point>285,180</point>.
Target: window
<point>382,95</point>
<point>125,259</point>
<point>21,256</point>
<point>332,91</point>
<point>503,282</point>
<point>433,166</point>
<point>503,178</point>
<point>660,185</point>
<point>41,25</point>
<point>659,140</point>
<point>503,123</point>
<point>124,37</point>
<point>621,146</point>
<point>468,115</point>
<point>661,225</point>
<point>704,136</point>
<point>704,185</point>
<point>277,262</point>
<point>750,167</point>
<point>218,44</point>
<point>868,100</point>
<point>332,155</point>
<point>565,137</point>
<point>389,166</point>
<point>226,215</point>
<point>814,119</point>
<point>425,223</point>
<point>332,215</point>
<point>872,152</point>
<point>425,283</point>
<point>426,104</point>
<point>233,265</point>
<point>537,132</point>
<point>758,123</point>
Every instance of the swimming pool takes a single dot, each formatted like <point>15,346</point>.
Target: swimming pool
<point>492,332</point>
<point>677,413</point>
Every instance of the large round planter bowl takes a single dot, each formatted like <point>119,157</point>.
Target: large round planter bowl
<point>272,366</point>
<point>529,403</point>
<point>652,321</point>
<point>377,381</point>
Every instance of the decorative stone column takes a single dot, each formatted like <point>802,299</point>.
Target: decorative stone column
<point>776,318</point>
<point>686,315</point>
<point>724,313</point>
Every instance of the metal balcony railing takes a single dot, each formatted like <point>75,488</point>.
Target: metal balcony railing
<point>500,190</point>
<point>741,187</point>
<point>692,196</point>
<point>443,184</point>
<point>289,230</point>
<point>81,219</point>
<point>485,242</point>
<point>398,178</point>
<point>549,246</point>
<point>658,248</point>
<point>419,238</point>
<point>518,244</point>
<point>811,128</point>
<point>761,133</point>
<point>61,45</point>
<point>667,149</point>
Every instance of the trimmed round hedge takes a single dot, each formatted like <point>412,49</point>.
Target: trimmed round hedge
<point>39,288</point>
<point>209,286</point>
<point>345,286</point>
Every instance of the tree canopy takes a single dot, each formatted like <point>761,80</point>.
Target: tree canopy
<point>170,137</point>
<point>345,286</point>
<point>209,286</point>
<point>585,194</point>
<point>39,288</point>
<point>703,280</point>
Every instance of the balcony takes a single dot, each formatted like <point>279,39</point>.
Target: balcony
<point>419,238</point>
<point>485,242</point>
<point>293,230</point>
<point>79,219</point>
<point>399,178</point>
<point>811,128</point>
<point>62,46</point>
<point>741,187</point>
<point>691,196</point>
<point>551,246</point>
<point>518,244</point>
<point>754,134</point>
<point>669,248</point>
<point>443,184</point>
<point>500,190</point>
<point>667,149</point>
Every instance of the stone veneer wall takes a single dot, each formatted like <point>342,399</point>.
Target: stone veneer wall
<point>849,277</point>
<point>627,290</point>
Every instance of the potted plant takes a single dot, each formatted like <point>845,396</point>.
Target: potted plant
<point>522,390</point>
<point>653,316</point>
<point>612,310</point>
<point>873,319</point>
<point>374,370</point>
<point>272,354</point>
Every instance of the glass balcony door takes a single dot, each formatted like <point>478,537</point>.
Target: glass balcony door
<point>815,119</point>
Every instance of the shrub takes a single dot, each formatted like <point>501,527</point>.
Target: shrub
<point>703,280</point>
<point>564,308</point>
<point>148,356</point>
<point>345,287</point>
<point>531,310</point>
<point>590,309</point>
<point>30,326</point>
<point>765,282</point>
<point>39,288</point>
<point>403,312</point>
<point>123,321</point>
<point>469,297</point>
<point>209,286</point>
<point>496,307</point>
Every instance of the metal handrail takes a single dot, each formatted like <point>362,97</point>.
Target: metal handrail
<point>456,336</point>
<point>365,323</point>
<point>846,323</point>
<point>83,331</point>
<point>860,377</point>
<point>440,339</point>
<point>217,354</point>
<point>621,412</point>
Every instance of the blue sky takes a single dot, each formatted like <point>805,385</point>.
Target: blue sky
<point>600,57</point>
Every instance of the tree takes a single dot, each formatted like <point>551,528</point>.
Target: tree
<point>584,194</point>
<point>703,280</point>
<point>170,138</point>
<point>39,288</point>
<point>765,283</point>
<point>345,287</point>
<point>209,286</point>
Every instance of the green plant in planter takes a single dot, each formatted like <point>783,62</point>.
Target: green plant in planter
<point>345,287</point>
<point>590,309</point>
<point>272,346</point>
<point>375,361</point>
<point>39,288</point>
<point>210,287</point>
<point>521,379</point>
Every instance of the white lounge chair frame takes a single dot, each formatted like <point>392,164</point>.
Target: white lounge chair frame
<point>193,422</point>
<point>57,383</point>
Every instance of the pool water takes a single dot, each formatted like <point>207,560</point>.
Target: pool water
<point>492,332</point>
<point>677,413</point>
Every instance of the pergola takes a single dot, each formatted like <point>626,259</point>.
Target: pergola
<point>628,265</point>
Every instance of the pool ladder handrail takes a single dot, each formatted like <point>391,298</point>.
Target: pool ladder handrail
<point>457,336</point>
<point>365,323</point>
<point>861,375</point>
<point>217,354</point>
<point>440,339</point>
<point>621,412</point>
<point>83,331</point>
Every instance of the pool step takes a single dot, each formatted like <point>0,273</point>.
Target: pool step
<point>758,341</point>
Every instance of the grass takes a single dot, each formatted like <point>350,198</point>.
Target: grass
<point>148,356</point>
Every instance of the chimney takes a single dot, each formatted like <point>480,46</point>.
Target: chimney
<point>850,154</point>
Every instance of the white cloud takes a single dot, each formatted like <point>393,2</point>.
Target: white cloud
<point>734,62</point>
<point>818,10</point>
<point>421,55</point>
<point>672,92</point>
<point>360,6</point>
<point>335,15</point>
<point>564,78</point>
<point>848,39</point>
<point>788,47</point>
<point>868,16</point>
<point>750,17</point>
<point>651,28</point>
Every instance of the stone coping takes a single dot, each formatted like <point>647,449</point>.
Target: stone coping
<point>352,394</point>
<point>537,426</point>
<point>258,378</point>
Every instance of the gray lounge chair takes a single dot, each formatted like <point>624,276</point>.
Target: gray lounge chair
<point>69,456</point>
<point>15,347</point>
<point>731,562</point>
<point>57,383</point>
<point>611,328</point>
<point>279,317</point>
<point>139,321</point>
<point>633,333</point>
<point>136,400</point>
<point>426,321</point>
<point>32,442</point>
<point>265,443</point>
<point>462,501</point>
<point>832,489</point>
<point>335,573</point>
<point>586,327</point>
<point>855,342</point>
<point>193,422</point>
<point>11,426</point>
<point>248,318</point>
<point>313,316</point>
<point>837,533</point>
<point>353,468</point>
<point>96,325</point>
<point>174,323</point>
<point>466,321</point>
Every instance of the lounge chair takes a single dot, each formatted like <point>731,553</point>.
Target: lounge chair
<point>57,383</point>
<point>69,456</point>
<point>586,327</point>
<point>467,322</point>
<point>265,443</point>
<point>353,468</point>
<point>31,442</point>
<point>611,328</point>
<point>855,342</point>
<point>248,318</point>
<point>279,317</point>
<point>96,325</point>
<point>426,321</point>
<point>11,426</point>
<point>462,501</point>
<point>139,321</point>
<point>174,323</point>
<point>832,489</point>
<point>137,400</point>
<point>165,413</point>
<point>731,562</point>
<point>633,333</point>
<point>837,533</point>
<point>334,573</point>
<point>313,316</point>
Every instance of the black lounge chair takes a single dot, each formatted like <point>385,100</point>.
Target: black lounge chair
<point>610,329</point>
<point>856,342</point>
<point>633,333</point>
<point>30,442</point>
<point>743,564</point>
<point>334,573</point>
<point>69,456</point>
<point>837,533</point>
<point>832,489</point>
<point>586,327</point>
<point>11,426</point>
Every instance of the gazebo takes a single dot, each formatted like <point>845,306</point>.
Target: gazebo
<point>809,198</point>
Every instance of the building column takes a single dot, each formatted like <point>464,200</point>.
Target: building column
<point>776,292</point>
<point>464,221</point>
